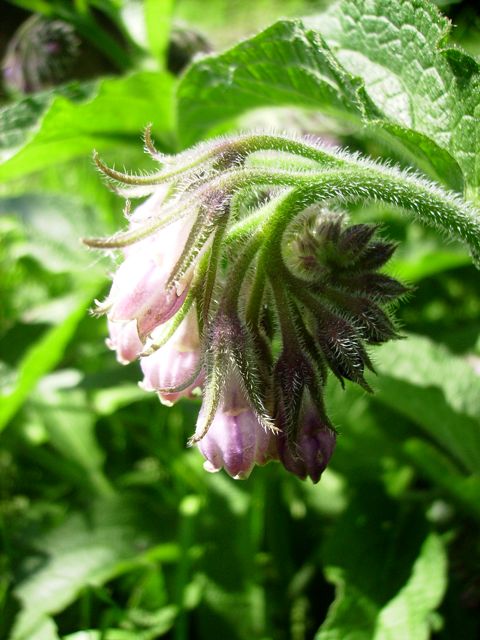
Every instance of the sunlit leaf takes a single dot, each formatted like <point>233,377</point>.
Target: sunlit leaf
<point>111,113</point>
<point>436,390</point>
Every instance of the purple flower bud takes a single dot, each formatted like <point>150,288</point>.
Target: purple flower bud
<point>313,448</point>
<point>235,440</point>
<point>124,340</point>
<point>139,289</point>
<point>174,363</point>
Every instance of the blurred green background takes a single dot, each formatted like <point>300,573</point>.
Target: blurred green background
<point>109,527</point>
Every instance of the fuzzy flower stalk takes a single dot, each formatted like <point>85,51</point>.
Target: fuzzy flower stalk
<point>242,280</point>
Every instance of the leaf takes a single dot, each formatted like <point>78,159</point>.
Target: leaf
<point>390,573</point>
<point>414,266</point>
<point>160,623</point>
<point>464,491</point>
<point>19,120</point>
<point>418,150</point>
<point>435,390</point>
<point>69,423</point>
<point>166,617</point>
<point>86,550</point>
<point>400,52</point>
<point>42,357</point>
<point>157,19</point>
<point>115,112</point>
<point>408,615</point>
<point>46,629</point>
<point>108,401</point>
<point>284,65</point>
<point>384,69</point>
<point>53,226</point>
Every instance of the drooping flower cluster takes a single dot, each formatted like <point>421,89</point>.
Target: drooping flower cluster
<point>237,283</point>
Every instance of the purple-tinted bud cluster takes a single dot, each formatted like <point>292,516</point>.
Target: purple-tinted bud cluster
<point>255,342</point>
<point>40,54</point>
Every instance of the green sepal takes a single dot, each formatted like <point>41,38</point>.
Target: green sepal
<point>211,212</point>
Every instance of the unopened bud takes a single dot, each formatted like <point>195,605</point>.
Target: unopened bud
<point>309,454</point>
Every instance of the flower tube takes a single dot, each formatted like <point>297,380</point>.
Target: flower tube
<point>174,363</point>
<point>235,440</point>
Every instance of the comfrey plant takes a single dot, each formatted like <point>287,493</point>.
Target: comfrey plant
<point>243,280</point>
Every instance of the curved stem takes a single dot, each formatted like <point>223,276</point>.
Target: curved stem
<point>249,143</point>
<point>236,149</point>
<point>426,202</point>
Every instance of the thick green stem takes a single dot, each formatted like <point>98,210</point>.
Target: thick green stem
<point>250,143</point>
<point>356,182</point>
<point>428,204</point>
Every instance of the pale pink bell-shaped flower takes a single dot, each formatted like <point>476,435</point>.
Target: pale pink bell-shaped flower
<point>139,288</point>
<point>124,340</point>
<point>174,363</point>
<point>235,440</point>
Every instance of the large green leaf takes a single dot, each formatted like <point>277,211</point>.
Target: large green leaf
<point>389,572</point>
<point>45,630</point>
<point>384,69</point>
<point>55,129</point>
<point>412,607</point>
<point>286,64</point>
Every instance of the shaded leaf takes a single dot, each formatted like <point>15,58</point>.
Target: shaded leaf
<point>389,572</point>
<point>432,464</point>
<point>69,422</point>
<point>86,550</point>
<point>436,390</point>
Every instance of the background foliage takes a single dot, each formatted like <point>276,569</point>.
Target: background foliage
<point>109,527</point>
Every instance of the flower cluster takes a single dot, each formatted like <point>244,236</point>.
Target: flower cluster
<point>239,283</point>
<point>41,54</point>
